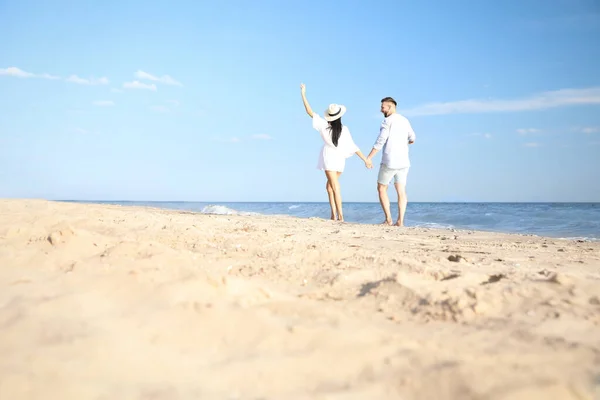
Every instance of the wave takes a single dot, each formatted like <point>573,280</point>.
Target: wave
<point>581,239</point>
<point>434,225</point>
<point>223,210</point>
<point>293,207</point>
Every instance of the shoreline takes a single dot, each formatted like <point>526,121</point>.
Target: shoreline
<point>419,226</point>
<point>112,301</point>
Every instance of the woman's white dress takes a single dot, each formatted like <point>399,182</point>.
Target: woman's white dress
<point>333,158</point>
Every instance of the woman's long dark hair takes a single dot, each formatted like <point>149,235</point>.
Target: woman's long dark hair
<point>336,130</point>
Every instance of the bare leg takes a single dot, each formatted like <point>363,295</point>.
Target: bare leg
<point>331,200</point>
<point>385,203</point>
<point>333,178</point>
<point>402,202</point>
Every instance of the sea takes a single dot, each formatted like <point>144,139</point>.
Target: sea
<point>579,221</point>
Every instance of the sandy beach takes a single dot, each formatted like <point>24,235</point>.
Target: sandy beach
<point>109,302</point>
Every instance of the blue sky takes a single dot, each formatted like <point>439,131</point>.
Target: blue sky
<point>200,101</point>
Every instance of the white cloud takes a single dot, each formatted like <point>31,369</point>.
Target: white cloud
<point>262,136</point>
<point>532,144</point>
<point>84,81</point>
<point>525,131</point>
<point>484,135</point>
<point>588,130</point>
<point>161,109</point>
<point>104,103</point>
<point>165,109</point>
<point>166,79</point>
<point>139,85</point>
<point>19,73</point>
<point>48,76</point>
<point>234,140</point>
<point>540,101</point>
<point>16,72</point>
<point>76,79</point>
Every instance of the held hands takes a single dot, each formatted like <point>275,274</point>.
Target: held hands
<point>368,163</point>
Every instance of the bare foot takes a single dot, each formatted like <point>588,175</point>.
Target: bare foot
<point>398,223</point>
<point>333,218</point>
<point>388,222</point>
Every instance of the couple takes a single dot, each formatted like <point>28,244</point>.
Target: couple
<point>395,134</point>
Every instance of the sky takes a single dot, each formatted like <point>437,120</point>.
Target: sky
<point>200,100</point>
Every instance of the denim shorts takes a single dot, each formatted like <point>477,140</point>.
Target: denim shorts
<point>386,174</point>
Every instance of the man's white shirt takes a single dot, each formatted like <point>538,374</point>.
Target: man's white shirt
<point>394,134</point>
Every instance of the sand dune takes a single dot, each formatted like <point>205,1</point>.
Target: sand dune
<point>108,302</point>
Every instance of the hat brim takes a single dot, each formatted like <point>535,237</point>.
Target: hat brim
<point>334,117</point>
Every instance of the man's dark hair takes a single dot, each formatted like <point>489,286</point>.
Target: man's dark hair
<point>389,99</point>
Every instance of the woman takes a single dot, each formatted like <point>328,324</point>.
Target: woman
<point>338,145</point>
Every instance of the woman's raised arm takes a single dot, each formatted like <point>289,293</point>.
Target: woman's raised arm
<point>309,110</point>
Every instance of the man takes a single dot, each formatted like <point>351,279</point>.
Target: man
<point>395,134</point>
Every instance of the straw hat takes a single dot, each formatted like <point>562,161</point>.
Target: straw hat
<point>334,112</point>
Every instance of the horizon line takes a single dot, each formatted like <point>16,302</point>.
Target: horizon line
<point>325,202</point>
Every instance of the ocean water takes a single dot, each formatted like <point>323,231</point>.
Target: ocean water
<point>559,220</point>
